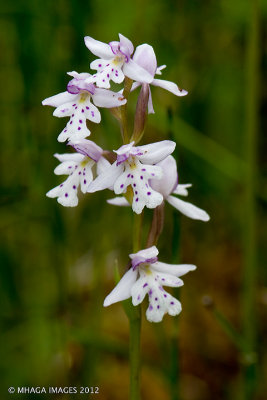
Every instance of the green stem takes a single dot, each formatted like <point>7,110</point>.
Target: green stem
<point>124,120</point>
<point>250,262</point>
<point>134,315</point>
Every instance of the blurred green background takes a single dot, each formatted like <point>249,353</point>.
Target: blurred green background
<point>57,264</point>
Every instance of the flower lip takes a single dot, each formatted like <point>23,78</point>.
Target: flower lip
<point>141,260</point>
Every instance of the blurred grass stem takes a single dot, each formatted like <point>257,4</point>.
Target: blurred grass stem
<point>250,261</point>
<point>124,120</point>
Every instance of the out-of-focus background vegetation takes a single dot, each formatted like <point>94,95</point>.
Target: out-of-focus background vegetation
<point>57,264</point>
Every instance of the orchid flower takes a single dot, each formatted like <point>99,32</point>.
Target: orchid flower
<point>147,276</point>
<point>167,186</point>
<point>134,166</point>
<point>79,168</point>
<point>115,62</point>
<point>75,103</point>
<point>145,57</point>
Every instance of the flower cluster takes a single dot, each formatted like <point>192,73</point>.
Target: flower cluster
<point>144,175</point>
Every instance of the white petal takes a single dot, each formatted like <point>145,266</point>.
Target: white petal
<point>135,72</point>
<point>156,152</point>
<point>159,69</point>
<point>169,178</point>
<point>175,308</point>
<point>98,48</point>
<point>69,157</point>
<point>135,85</point>
<point>65,168</point>
<point>107,98</point>
<point>106,179</point>
<point>173,269</point>
<point>188,209</point>
<point>123,289</point>
<point>151,252</point>
<point>150,103</point>
<point>59,99</point>
<point>64,110</point>
<point>181,189</point>
<point>102,165</point>
<point>170,86</point>
<point>118,201</point>
<point>145,57</point>
<point>86,177</point>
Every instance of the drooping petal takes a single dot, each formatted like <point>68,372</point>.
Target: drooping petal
<point>135,72</point>
<point>123,289</point>
<point>59,99</point>
<point>69,157</point>
<point>118,201</point>
<point>188,209</point>
<point>64,110</point>
<point>159,69</point>
<point>170,86</point>
<point>145,57</point>
<point>107,98</point>
<point>181,189</point>
<point>102,165</point>
<point>173,269</point>
<point>88,148</point>
<point>98,48</point>
<point>156,152</point>
<point>150,103</point>
<point>106,179</point>
<point>169,178</point>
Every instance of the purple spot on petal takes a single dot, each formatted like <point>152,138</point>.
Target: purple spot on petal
<point>128,176</point>
<point>153,174</point>
<point>107,75</point>
<point>73,105</point>
<point>156,299</point>
<point>84,181</point>
<point>112,69</point>
<point>92,113</point>
<point>163,279</point>
<point>136,199</point>
<point>66,194</point>
<point>136,192</point>
<point>65,130</point>
<point>100,65</point>
<point>79,128</point>
<point>134,185</point>
<point>69,166</point>
<point>131,176</point>
<point>76,108</point>
<point>150,292</point>
<point>138,298</point>
<point>82,110</point>
<point>158,307</point>
<point>72,115</point>
<point>80,121</point>
<point>74,187</point>
<point>80,173</point>
<point>144,285</point>
<point>143,169</point>
<point>87,108</point>
<point>171,302</point>
<point>150,307</point>
<point>70,122</point>
<point>141,177</point>
<point>165,295</point>
<point>61,185</point>
<point>148,193</point>
<point>122,185</point>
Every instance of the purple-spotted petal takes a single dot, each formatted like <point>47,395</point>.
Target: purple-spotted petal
<point>139,290</point>
<point>88,148</point>
<point>98,48</point>
<point>123,289</point>
<point>156,152</point>
<point>135,72</point>
<point>188,209</point>
<point>170,86</point>
<point>151,252</point>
